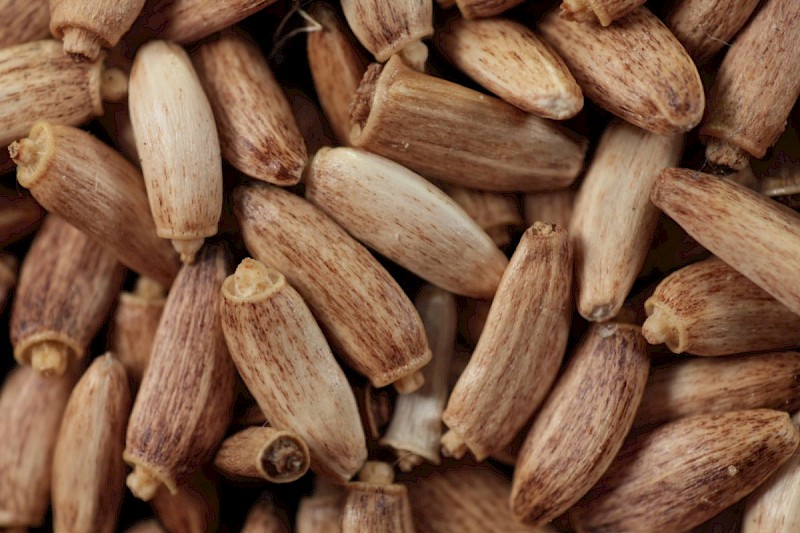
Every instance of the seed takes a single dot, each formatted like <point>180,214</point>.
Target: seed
<point>86,27</point>
<point>526,330</point>
<point>178,146</point>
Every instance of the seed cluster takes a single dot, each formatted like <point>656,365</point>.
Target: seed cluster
<point>397,266</point>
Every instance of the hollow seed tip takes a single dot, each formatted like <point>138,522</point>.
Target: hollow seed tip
<point>23,152</point>
<point>32,154</point>
<point>286,459</point>
<point>726,154</point>
<point>253,278</point>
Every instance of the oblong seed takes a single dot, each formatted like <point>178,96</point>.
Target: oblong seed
<point>365,314</point>
<point>708,308</point>
<point>261,310</point>
<point>178,146</point>
<point>405,218</point>
<point>685,472</point>
<point>527,330</point>
<point>448,132</point>
<point>667,97</point>
<point>582,424</point>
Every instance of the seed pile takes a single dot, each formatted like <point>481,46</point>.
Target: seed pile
<point>394,266</point>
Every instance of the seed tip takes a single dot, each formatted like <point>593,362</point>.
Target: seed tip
<point>415,55</point>
<point>407,461</point>
<point>49,358</point>
<point>149,289</point>
<point>376,472</point>
<point>543,228</point>
<point>114,85</point>
<point>600,313</point>
<point>187,248</point>
<point>658,329</point>
<point>254,278</point>
<point>23,152</point>
<point>142,484</point>
<point>410,383</point>
<point>453,445</point>
<point>726,154</point>
<point>576,10</point>
<point>285,459</point>
<point>81,43</point>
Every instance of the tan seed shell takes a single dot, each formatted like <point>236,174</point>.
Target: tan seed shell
<point>86,27</point>
<point>386,28</point>
<point>31,408</point>
<point>774,506</point>
<point>405,218</point>
<point>667,96</point>
<point>134,326</point>
<point>708,308</point>
<point>67,287</point>
<point>39,83</point>
<point>756,87</point>
<point>365,314</point>
<point>527,330</point>
<point>582,424</point>
<point>94,188</point>
<point>171,435</point>
<point>286,364</point>
<point>448,132</point>
<point>698,386</point>
<point>257,129</point>
<point>178,146</point>
<point>187,21</point>
<point>685,472</point>
<point>514,63</point>
<point>613,219</point>
<point>755,235</point>
<point>704,27</point>
<point>263,453</point>
<point>88,470</point>
<point>337,63</point>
